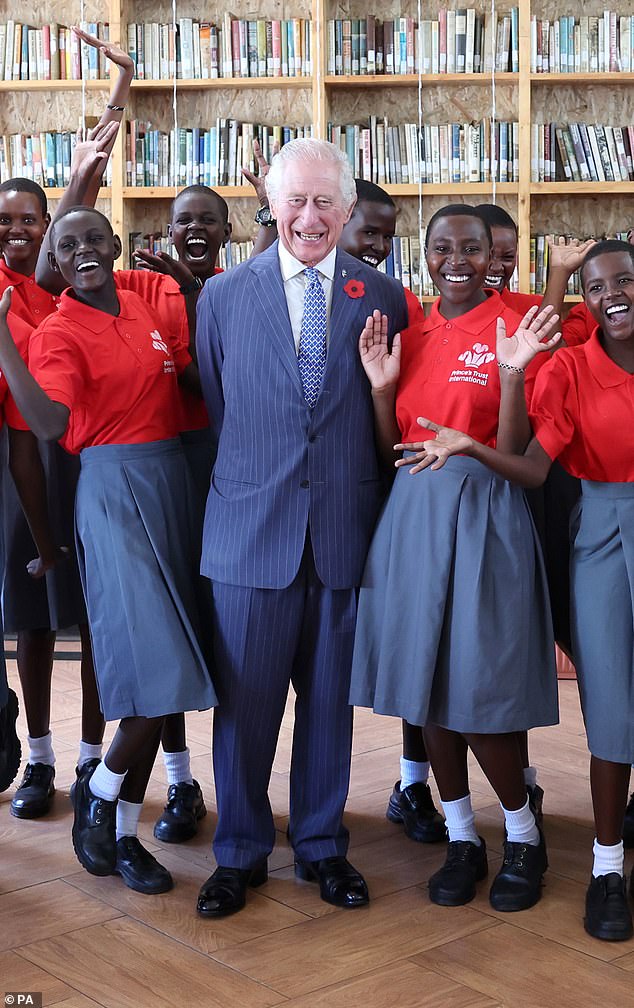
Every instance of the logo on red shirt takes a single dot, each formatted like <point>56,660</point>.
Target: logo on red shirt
<point>476,357</point>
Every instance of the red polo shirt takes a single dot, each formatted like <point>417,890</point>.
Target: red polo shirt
<point>30,302</point>
<point>449,372</point>
<point>582,411</point>
<point>415,313</point>
<point>578,325</point>
<point>117,376</point>
<point>519,302</point>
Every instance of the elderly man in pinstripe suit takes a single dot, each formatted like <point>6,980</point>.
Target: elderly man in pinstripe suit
<point>293,501</point>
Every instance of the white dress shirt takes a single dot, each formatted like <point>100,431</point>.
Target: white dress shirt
<point>294,280</point>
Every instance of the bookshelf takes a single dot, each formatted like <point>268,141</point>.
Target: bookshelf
<point>523,96</point>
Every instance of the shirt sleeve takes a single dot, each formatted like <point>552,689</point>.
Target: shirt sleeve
<point>414,308</point>
<point>163,296</point>
<point>578,325</point>
<point>53,362</point>
<point>554,406</point>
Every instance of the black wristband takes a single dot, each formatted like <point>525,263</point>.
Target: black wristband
<point>116,108</point>
<point>193,285</point>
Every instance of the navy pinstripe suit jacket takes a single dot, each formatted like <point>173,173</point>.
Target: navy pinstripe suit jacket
<point>281,466</point>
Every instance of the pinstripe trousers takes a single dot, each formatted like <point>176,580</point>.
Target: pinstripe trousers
<point>265,639</point>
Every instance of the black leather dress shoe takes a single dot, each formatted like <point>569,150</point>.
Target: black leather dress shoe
<point>628,823</point>
<point>35,793</point>
<point>414,807</point>
<point>455,883</point>
<point>518,884</point>
<point>10,749</point>
<point>536,802</point>
<point>225,892</point>
<point>139,870</point>
<point>339,883</point>
<point>94,837</point>
<point>88,767</point>
<point>607,914</point>
<point>180,817</point>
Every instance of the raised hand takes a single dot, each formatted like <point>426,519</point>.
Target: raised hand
<point>567,257</point>
<point>380,365</point>
<point>112,52</point>
<point>530,338</point>
<point>258,181</point>
<point>162,262</point>
<point>435,452</point>
<point>5,304</point>
<point>93,152</point>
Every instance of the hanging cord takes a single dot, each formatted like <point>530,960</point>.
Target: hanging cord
<point>316,70</point>
<point>175,104</point>
<point>494,145</point>
<point>83,70</point>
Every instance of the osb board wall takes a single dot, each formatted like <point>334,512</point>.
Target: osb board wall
<point>457,104</point>
<point>34,12</point>
<point>611,105</point>
<point>283,106</point>
<point>583,216</point>
<point>24,112</point>
<point>150,10</point>
<point>407,220</point>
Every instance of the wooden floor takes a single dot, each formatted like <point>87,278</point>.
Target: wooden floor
<point>84,941</point>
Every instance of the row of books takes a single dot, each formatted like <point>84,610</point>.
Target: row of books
<point>582,152</point>
<point>570,44</point>
<point>52,52</point>
<point>231,254</point>
<point>484,151</point>
<point>43,157</point>
<point>188,156</point>
<point>458,41</point>
<point>200,50</point>
<point>539,259</point>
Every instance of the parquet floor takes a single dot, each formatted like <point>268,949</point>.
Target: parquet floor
<point>84,941</point>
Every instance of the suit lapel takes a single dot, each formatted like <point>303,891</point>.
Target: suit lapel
<point>347,314</point>
<point>273,320</point>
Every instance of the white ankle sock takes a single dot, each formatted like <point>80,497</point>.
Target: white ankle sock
<point>106,784</point>
<point>530,776</point>
<point>520,825</point>
<point>607,859</point>
<point>177,767</point>
<point>128,815</point>
<point>460,820</point>
<point>413,772</point>
<point>88,751</point>
<point>41,749</point>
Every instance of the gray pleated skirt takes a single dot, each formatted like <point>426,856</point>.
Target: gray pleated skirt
<point>602,610</point>
<point>139,562</point>
<point>57,600</point>
<point>454,622</point>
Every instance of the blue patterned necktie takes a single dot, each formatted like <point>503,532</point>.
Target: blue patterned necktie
<point>311,359</point>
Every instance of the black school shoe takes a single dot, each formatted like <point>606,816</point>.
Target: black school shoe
<point>628,823</point>
<point>455,883</point>
<point>414,807</point>
<point>608,915</point>
<point>536,802</point>
<point>35,793</point>
<point>180,817</point>
<point>518,884</point>
<point>139,869</point>
<point>94,833</point>
<point>87,768</point>
<point>10,749</point>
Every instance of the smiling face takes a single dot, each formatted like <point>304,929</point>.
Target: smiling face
<point>84,250</point>
<point>22,228</point>
<point>198,230</point>
<point>309,209</point>
<point>369,232</point>
<point>608,281</point>
<point>503,258</point>
<point>458,255</point>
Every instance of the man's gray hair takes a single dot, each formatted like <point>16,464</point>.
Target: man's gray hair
<point>311,150</point>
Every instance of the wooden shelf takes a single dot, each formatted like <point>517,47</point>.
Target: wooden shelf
<point>582,78</point>
<point>218,83</point>
<point>411,80</point>
<point>54,85</point>
<point>169,192</point>
<point>580,188</point>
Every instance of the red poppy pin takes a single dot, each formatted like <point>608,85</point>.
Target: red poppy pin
<point>354,288</point>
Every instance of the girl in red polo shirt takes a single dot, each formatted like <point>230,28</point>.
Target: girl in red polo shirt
<point>581,413</point>
<point>105,371</point>
<point>435,640</point>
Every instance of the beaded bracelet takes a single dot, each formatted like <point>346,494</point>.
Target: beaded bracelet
<point>511,368</point>
<point>116,108</point>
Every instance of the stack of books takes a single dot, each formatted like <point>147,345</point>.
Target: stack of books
<point>457,41</point>
<point>582,152</point>
<point>200,50</point>
<point>539,259</point>
<point>51,52</point>
<point>484,151</point>
<point>572,44</point>
<point>190,156</point>
<point>230,255</point>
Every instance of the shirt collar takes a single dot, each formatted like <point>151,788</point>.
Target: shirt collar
<point>15,278</point>
<point>92,318</point>
<point>291,267</point>
<point>475,321</point>
<point>604,370</point>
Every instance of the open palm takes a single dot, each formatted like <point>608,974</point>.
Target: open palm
<point>381,364</point>
<point>532,336</point>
